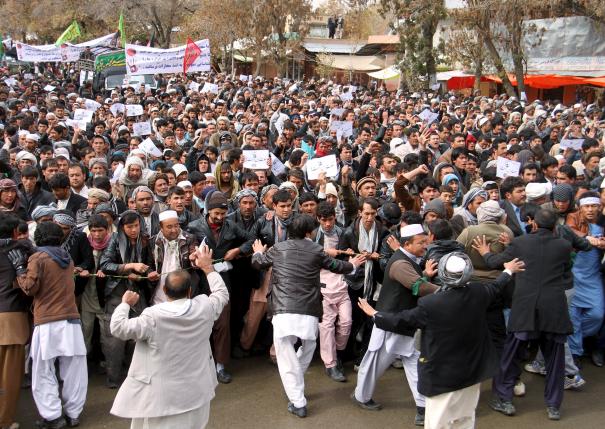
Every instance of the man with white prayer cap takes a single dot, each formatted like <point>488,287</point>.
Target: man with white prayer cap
<point>453,316</point>
<point>171,249</point>
<point>404,282</point>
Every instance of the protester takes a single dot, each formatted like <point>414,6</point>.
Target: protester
<point>387,159</point>
<point>172,334</point>
<point>296,302</point>
<point>448,318</point>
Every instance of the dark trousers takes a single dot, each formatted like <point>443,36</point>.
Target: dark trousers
<point>510,367</point>
<point>221,337</point>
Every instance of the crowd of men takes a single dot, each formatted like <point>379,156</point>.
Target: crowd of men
<point>418,178</point>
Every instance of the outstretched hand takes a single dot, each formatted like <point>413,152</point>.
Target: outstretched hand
<point>515,266</point>
<point>366,308</point>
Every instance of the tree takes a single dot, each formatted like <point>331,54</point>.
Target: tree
<point>417,24</point>
<point>466,48</point>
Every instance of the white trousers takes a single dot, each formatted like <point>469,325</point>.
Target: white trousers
<point>292,366</point>
<point>45,386</point>
<point>376,362</point>
<point>452,410</point>
<point>194,419</point>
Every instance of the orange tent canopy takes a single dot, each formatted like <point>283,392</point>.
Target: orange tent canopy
<point>548,81</point>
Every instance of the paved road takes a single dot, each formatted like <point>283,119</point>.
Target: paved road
<point>255,399</point>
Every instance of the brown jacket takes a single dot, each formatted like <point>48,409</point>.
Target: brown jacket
<point>52,288</point>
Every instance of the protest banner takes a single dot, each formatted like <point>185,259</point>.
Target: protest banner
<point>66,52</point>
<point>326,164</point>
<point>210,87</point>
<point>141,128</point>
<point>150,148</point>
<point>134,110</point>
<point>91,105</point>
<point>277,167</point>
<point>343,128</point>
<point>117,108</point>
<point>256,159</point>
<point>427,116</point>
<point>83,115</point>
<point>575,144</point>
<point>146,60</point>
<point>506,167</point>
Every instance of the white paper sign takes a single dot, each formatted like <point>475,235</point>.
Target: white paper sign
<point>194,86</point>
<point>337,112</point>
<point>74,123</point>
<point>146,60</point>
<point>506,167</point>
<point>575,144</point>
<point>141,128</point>
<point>49,88</point>
<point>134,110</point>
<point>11,81</point>
<point>277,167</point>
<point>150,148</point>
<point>210,87</point>
<point>279,124</point>
<point>327,164</point>
<point>28,76</point>
<point>91,105</point>
<point>346,96</point>
<point>83,115</point>
<point>117,108</point>
<point>427,116</point>
<point>243,77</point>
<point>256,159</point>
<point>343,128</point>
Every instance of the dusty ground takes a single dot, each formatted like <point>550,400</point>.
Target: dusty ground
<point>255,399</point>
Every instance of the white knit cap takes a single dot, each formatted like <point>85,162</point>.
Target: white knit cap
<point>168,214</point>
<point>184,184</point>
<point>412,230</point>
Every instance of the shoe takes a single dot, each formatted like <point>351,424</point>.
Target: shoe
<point>419,419</point>
<point>111,384</point>
<point>370,405</point>
<point>598,358</point>
<point>519,389</point>
<point>223,376</point>
<point>57,423</point>
<point>397,364</point>
<point>72,422</point>
<point>574,382</point>
<point>336,374</point>
<point>239,352</point>
<point>505,407</point>
<point>553,413</point>
<point>298,412</point>
<point>535,367</point>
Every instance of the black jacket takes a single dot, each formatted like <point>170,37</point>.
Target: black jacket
<point>351,241</point>
<point>539,302</point>
<point>12,299</point>
<point>295,280</point>
<point>81,253</point>
<point>39,197</point>
<point>231,235</point>
<point>456,350</point>
<point>74,203</point>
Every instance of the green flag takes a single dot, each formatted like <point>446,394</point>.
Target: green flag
<point>69,34</point>
<point>1,47</point>
<point>121,30</point>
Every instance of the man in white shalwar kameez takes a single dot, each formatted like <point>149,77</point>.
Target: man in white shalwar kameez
<point>295,302</point>
<point>172,378</point>
<point>404,281</point>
